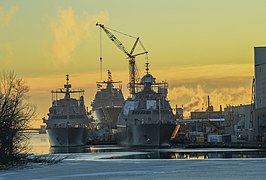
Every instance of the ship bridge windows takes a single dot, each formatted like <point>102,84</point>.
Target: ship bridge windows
<point>136,112</point>
<point>76,116</point>
<point>140,112</point>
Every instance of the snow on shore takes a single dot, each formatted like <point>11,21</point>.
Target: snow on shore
<point>90,166</point>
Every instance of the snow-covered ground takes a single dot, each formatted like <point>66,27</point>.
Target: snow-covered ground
<point>114,162</point>
<point>89,166</point>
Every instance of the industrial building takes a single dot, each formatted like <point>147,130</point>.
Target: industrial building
<point>259,120</point>
<point>238,121</point>
<point>203,123</point>
<point>249,121</point>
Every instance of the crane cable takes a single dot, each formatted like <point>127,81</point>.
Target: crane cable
<point>143,46</point>
<point>101,58</point>
<point>121,32</point>
<point>126,35</point>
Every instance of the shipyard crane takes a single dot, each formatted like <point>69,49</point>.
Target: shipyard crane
<point>130,55</point>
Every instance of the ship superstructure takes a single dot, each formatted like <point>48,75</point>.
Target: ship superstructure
<point>108,101</point>
<point>146,118</point>
<point>68,120</point>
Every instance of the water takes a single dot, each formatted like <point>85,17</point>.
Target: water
<point>114,162</point>
<point>40,145</point>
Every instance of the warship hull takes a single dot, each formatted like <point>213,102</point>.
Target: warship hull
<point>66,137</point>
<point>154,135</point>
<point>107,115</point>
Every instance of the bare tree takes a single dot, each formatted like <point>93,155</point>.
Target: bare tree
<point>15,115</point>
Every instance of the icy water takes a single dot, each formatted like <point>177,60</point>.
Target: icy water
<point>40,145</point>
<point>114,162</point>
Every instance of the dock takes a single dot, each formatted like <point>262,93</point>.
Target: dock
<point>41,130</point>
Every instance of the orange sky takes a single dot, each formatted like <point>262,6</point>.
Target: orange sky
<point>200,48</point>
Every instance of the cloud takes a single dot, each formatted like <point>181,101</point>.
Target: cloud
<point>5,17</point>
<point>190,85</point>
<point>70,30</point>
<point>101,18</point>
<point>195,99</point>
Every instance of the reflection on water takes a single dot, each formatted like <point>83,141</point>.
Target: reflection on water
<point>191,155</point>
<point>40,145</point>
<point>63,150</point>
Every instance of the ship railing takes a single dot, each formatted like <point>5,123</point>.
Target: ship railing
<point>146,121</point>
<point>64,125</point>
<point>156,87</point>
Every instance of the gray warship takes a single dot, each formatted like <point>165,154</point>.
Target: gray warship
<point>146,118</point>
<point>106,107</point>
<point>68,120</point>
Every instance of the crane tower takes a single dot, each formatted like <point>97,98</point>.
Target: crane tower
<point>130,54</point>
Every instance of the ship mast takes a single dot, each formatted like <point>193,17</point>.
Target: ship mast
<point>66,90</point>
<point>147,67</point>
<point>109,80</point>
<point>109,83</point>
<point>67,86</point>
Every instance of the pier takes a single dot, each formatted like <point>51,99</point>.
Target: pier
<point>41,130</point>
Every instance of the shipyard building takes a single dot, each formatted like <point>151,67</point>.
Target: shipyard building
<point>238,121</point>
<point>259,122</point>
<point>249,121</point>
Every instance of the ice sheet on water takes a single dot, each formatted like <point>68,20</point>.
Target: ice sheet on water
<point>102,155</point>
<point>145,169</point>
<point>106,147</point>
